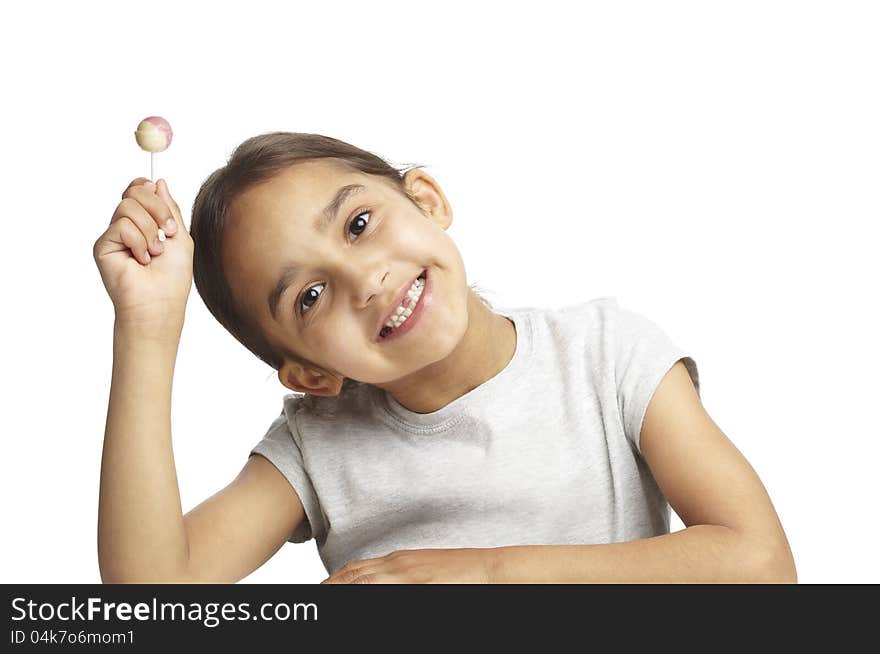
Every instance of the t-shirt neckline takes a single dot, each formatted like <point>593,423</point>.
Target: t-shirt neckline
<point>448,415</point>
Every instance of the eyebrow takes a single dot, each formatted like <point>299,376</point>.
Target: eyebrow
<point>319,224</point>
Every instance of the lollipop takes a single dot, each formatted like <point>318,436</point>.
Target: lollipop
<point>154,135</point>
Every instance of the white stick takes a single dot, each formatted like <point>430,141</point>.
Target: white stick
<point>153,179</point>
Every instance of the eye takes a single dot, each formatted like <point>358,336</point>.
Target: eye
<point>358,221</point>
<point>310,296</point>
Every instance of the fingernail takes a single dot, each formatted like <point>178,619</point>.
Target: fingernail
<point>150,186</point>
<point>170,226</point>
<point>158,245</point>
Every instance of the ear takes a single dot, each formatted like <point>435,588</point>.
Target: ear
<point>429,196</point>
<point>309,380</point>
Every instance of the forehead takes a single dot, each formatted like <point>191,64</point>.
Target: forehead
<point>297,190</point>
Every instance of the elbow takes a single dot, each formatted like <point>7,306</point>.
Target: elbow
<point>142,577</point>
<point>107,579</point>
<point>765,558</point>
<point>121,570</point>
<point>113,578</point>
<point>109,575</point>
<point>774,565</point>
<point>784,570</point>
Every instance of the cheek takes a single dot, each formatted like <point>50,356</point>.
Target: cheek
<point>338,342</point>
<point>410,232</point>
<point>346,353</point>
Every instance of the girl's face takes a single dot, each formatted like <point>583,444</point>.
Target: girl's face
<point>355,243</point>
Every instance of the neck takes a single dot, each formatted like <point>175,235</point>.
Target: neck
<point>487,347</point>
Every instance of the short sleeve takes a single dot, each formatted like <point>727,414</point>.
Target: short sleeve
<point>644,353</point>
<point>280,447</point>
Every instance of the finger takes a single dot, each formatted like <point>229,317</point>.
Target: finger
<point>130,235</point>
<point>165,194</point>
<point>366,579</point>
<point>338,576</point>
<point>145,222</point>
<point>138,181</point>
<point>156,207</point>
<point>353,575</point>
<point>136,190</point>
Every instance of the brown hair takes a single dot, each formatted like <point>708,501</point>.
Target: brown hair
<point>256,160</point>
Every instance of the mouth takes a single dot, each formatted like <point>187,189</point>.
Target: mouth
<point>408,302</point>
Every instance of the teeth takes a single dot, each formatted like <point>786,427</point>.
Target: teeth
<point>401,313</point>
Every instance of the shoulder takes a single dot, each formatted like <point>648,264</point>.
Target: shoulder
<point>600,309</point>
<point>591,322</point>
<point>596,312</point>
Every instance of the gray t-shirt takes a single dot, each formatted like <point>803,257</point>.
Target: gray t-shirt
<point>545,452</point>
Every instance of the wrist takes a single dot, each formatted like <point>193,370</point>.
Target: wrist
<point>165,331</point>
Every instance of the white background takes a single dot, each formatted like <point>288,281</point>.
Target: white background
<point>712,165</point>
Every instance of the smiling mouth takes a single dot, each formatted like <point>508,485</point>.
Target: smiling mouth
<point>401,313</point>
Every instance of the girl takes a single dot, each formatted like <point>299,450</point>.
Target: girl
<point>429,438</point>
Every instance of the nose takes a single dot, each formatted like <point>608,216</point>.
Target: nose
<point>368,284</point>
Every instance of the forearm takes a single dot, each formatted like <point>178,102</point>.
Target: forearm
<point>698,554</point>
<point>141,534</point>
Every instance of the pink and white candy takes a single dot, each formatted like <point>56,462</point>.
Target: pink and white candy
<point>153,134</point>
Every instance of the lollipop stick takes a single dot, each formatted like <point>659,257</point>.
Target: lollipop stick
<point>153,179</point>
